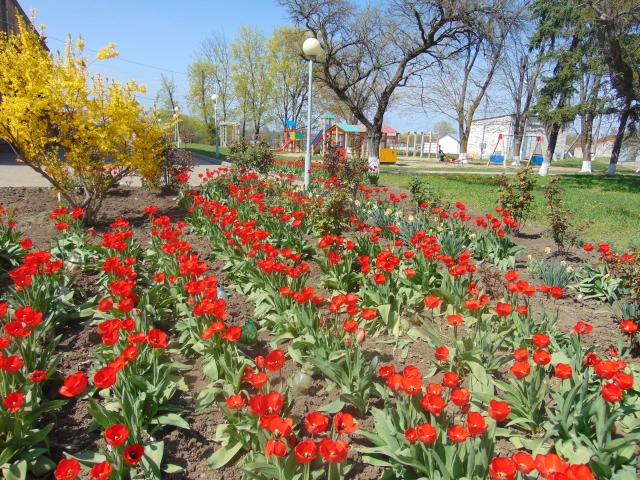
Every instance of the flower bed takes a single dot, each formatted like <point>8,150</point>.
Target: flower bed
<point>427,368</point>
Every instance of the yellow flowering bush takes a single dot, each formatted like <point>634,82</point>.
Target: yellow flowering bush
<point>84,134</point>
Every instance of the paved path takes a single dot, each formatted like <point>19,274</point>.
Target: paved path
<point>13,174</point>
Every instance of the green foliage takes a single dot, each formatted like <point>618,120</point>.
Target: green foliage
<point>248,157</point>
<point>174,162</point>
<point>552,272</point>
<point>422,191</point>
<point>334,212</point>
<point>561,227</point>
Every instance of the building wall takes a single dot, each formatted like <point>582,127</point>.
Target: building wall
<point>484,135</point>
<point>9,9</point>
<point>449,144</point>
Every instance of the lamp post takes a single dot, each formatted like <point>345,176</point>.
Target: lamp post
<point>176,111</point>
<point>311,49</point>
<point>214,99</point>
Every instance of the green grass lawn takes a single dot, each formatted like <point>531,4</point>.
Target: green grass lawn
<point>611,204</point>
<point>206,150</point>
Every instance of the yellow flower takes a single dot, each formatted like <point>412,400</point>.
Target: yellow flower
<point>547,249</point>
<point>80,44</point>
<point>107,52</point>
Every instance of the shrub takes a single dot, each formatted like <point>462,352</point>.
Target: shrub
<point>334,212</point>
<point>516,195</point>
<point>248,157</point>
<point>561,226</point>
<point>175,161</point>
<point>422,192</point>
<point>82,133</point>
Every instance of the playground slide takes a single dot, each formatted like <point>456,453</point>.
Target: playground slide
<point>284,147</point>
<point>318,138</point>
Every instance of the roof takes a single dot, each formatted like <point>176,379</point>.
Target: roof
<point>345,127</point>
<point>389,129</point>
<point>450,136</point>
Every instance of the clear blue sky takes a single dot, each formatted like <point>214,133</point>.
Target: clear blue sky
<point>161,33</point>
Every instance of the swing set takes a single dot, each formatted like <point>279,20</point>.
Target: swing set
<point>498,155</point>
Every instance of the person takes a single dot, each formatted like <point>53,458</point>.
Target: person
<point>441,155</point>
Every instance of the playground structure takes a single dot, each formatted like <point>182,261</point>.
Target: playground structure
<point>530,150</point>
<point>345,137</point>
<point>428,144</point>
<point>292,139</point>
<point>229,133</point>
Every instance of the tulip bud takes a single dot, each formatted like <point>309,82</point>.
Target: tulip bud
<point>361,336</point>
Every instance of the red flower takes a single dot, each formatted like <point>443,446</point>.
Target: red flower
<point>540,340</point>
<point>563,371</point>
<point>580,472</point>
<point>350,326</point>
<point>316,422</point>
<point>274,360</point>
<point>74,384</point>
<point>116,434</point>
<point>333,452</point>
<point>412,384</point>
<point>306,451</point>
<point>450,379</point>
<point>379,278</point>
<point>432,301</point>
<point>426,433</point>
<point>524,462</point>
<point>629,326</point>
<point>623,380</point>
<point>13,401</point>
<point>133,453</point>
<point>612,392</point>
<point>502,468</point>
<point>460,396</point>
<point>441,353</point>
<point>344,423</point>
<point>275,447</point>
<point>499,410</point>
<point>582,328</point>
<point>520,354</point>
<point>232,334</point>
<point>434,404</point>
<point>385,371</point>
<point>549,464</point>
<point>38,376</point>
<point>105,377</point>
<point>157,338</point>
<point>511,276</point>
<point>476,423</point>
<point>454,320</point>
<point>235,401</point>
<point>457,433</point>
<point>521,369</point>
<point>67,469</point>
<point>101,471</point>
<point>503,309</point>
<point>411,435</point>
<point>556,292</point>
<point>587,247</point>
<point>368,313</point>
<point>541,357</point>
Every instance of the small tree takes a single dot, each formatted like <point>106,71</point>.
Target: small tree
<point>82,133</point>
<point>517,195</point>
<point>563,231</point>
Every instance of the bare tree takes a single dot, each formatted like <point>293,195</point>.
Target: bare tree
<point>461,84</point>
<point>167,94</point>
<point>372,50</point>
<point>215,50</point>
<point>518,77</point>
<point>589,89</point>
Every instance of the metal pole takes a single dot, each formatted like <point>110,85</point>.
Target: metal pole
<point>215,122</point>
<point>307,158</point>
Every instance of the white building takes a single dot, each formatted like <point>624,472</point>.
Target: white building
<point>449,144</point>
<point>484,138</point>
<point>629,151</point>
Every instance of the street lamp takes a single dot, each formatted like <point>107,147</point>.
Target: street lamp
<point>311,49</point>
<point>176,111</point>
<point>214,99</point>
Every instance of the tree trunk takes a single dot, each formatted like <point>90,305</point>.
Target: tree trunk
<point>374,137</point>
<point>464,143</point>
<point>518,134</point>
<point>551,148</point>
<point>617,144</point>
<point>586,140</point>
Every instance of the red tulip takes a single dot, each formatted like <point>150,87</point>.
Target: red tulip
<point>499,410</point>
<point>133,453</point>
<point>306,451</point>
<point>116,434</point>
<point>316,422</point>
<point>502,468</point>
<point>563,371</point>
<point>333,452</point>
<point>67,469</point>
<point>612,392</point>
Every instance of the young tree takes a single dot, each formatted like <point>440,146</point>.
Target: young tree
<point>253,84</point>
<point>288,72</point>
<point>589,97</point>
<point>167,98</point>
<point>372,50</point>
<point>82,134</point>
